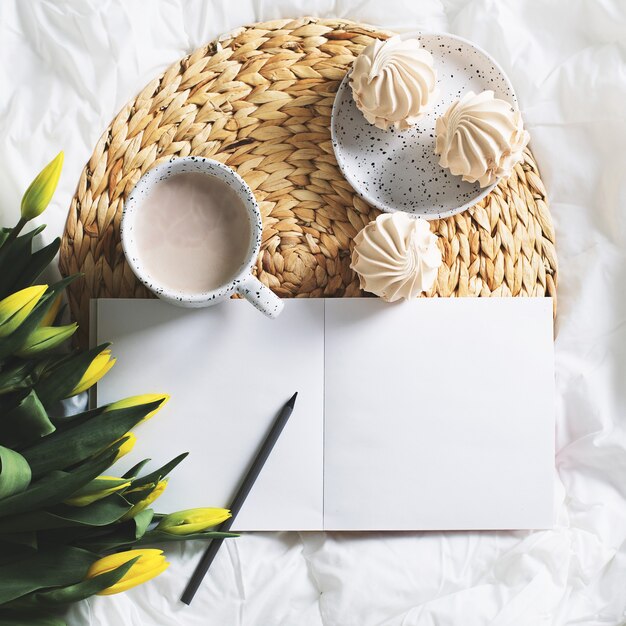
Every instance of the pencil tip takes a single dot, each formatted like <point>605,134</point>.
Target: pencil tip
<point>292,400</point>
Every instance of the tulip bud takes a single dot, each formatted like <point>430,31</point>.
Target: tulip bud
<point>147,501</point>
<point>14,309</point>
<point>46,338</point>
<point>150,564</point>
<point>101,364</point>
<point>97,489</point>
<point>145,398</point>
<point>126,447</point>
<point>40,192</point>
<point>192,520</point>
<point>51,314</point>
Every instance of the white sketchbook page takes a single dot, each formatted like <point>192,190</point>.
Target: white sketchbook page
<point>439,414</point>
<point>229,370</point>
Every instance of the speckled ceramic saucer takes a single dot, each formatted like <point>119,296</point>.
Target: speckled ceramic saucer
<point>399,170</point>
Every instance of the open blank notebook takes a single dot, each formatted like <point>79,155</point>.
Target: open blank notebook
<point>435,414</point>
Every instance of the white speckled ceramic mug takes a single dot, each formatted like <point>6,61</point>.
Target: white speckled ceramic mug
<point>243,282</point>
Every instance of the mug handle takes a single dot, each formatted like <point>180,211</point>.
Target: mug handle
<point>260,296</point>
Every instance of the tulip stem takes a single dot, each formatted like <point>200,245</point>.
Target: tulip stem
<point>15,231</point>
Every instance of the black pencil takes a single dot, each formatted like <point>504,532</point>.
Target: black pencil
<point>246,485</point>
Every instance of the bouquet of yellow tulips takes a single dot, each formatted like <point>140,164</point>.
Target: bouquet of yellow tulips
<point>67,529</point>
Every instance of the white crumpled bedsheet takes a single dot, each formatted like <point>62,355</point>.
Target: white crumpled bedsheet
<point>66,68</point>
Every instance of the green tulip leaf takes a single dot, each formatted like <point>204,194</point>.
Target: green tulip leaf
<point>22,374</point>
<point>58,382</point>
<point>78,591</point>
<point>118,541</point>
<point>37,263</point>
<point>16,547</point>
<point>135,469</point>
<point>26,423</point>
<point>63,422</point>
<point>56,486</point>
<point>16,377</point>
<point>101,513</point>
<point>142,521</point>
<point>78,442</point>
<point>78,536</point>
<point>157,475</point>
<point>134,496</point>
<point>158,536</point>
<point>99,484</point>
<point>15,474</point>
<point>29,618</point>
<point>26,538</point>
<point>14,257</point>
<point>11,552</point>
<point>125,534</point>
<point>54,567</point>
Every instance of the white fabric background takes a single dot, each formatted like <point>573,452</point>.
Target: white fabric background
<point>66,68</point>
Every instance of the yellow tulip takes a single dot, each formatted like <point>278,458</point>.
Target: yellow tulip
<point>192,520</point>
<point>40,192</point>
<point>126,447</point>
<point>101,364</point>
<point>150,564</point>
<point>46,338</point>
<point>97,489</point>
<point>145,398</point>
<point>14,309</point>
<point>147,501</point>
<point>52,312</point>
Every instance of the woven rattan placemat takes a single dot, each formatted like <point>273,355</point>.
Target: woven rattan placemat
<point>259,99</point>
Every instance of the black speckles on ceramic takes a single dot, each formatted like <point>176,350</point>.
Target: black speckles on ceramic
<point>399,170</point>
<point>243,283</point>
<point>261,297</point>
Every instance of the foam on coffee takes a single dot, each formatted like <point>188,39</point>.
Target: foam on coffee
<point>192,233</point>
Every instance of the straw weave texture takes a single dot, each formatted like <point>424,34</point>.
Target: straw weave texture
<point>259,99</point>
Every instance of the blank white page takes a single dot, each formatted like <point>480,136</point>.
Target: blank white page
<point>229,370</point>
<point>439,414</point>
